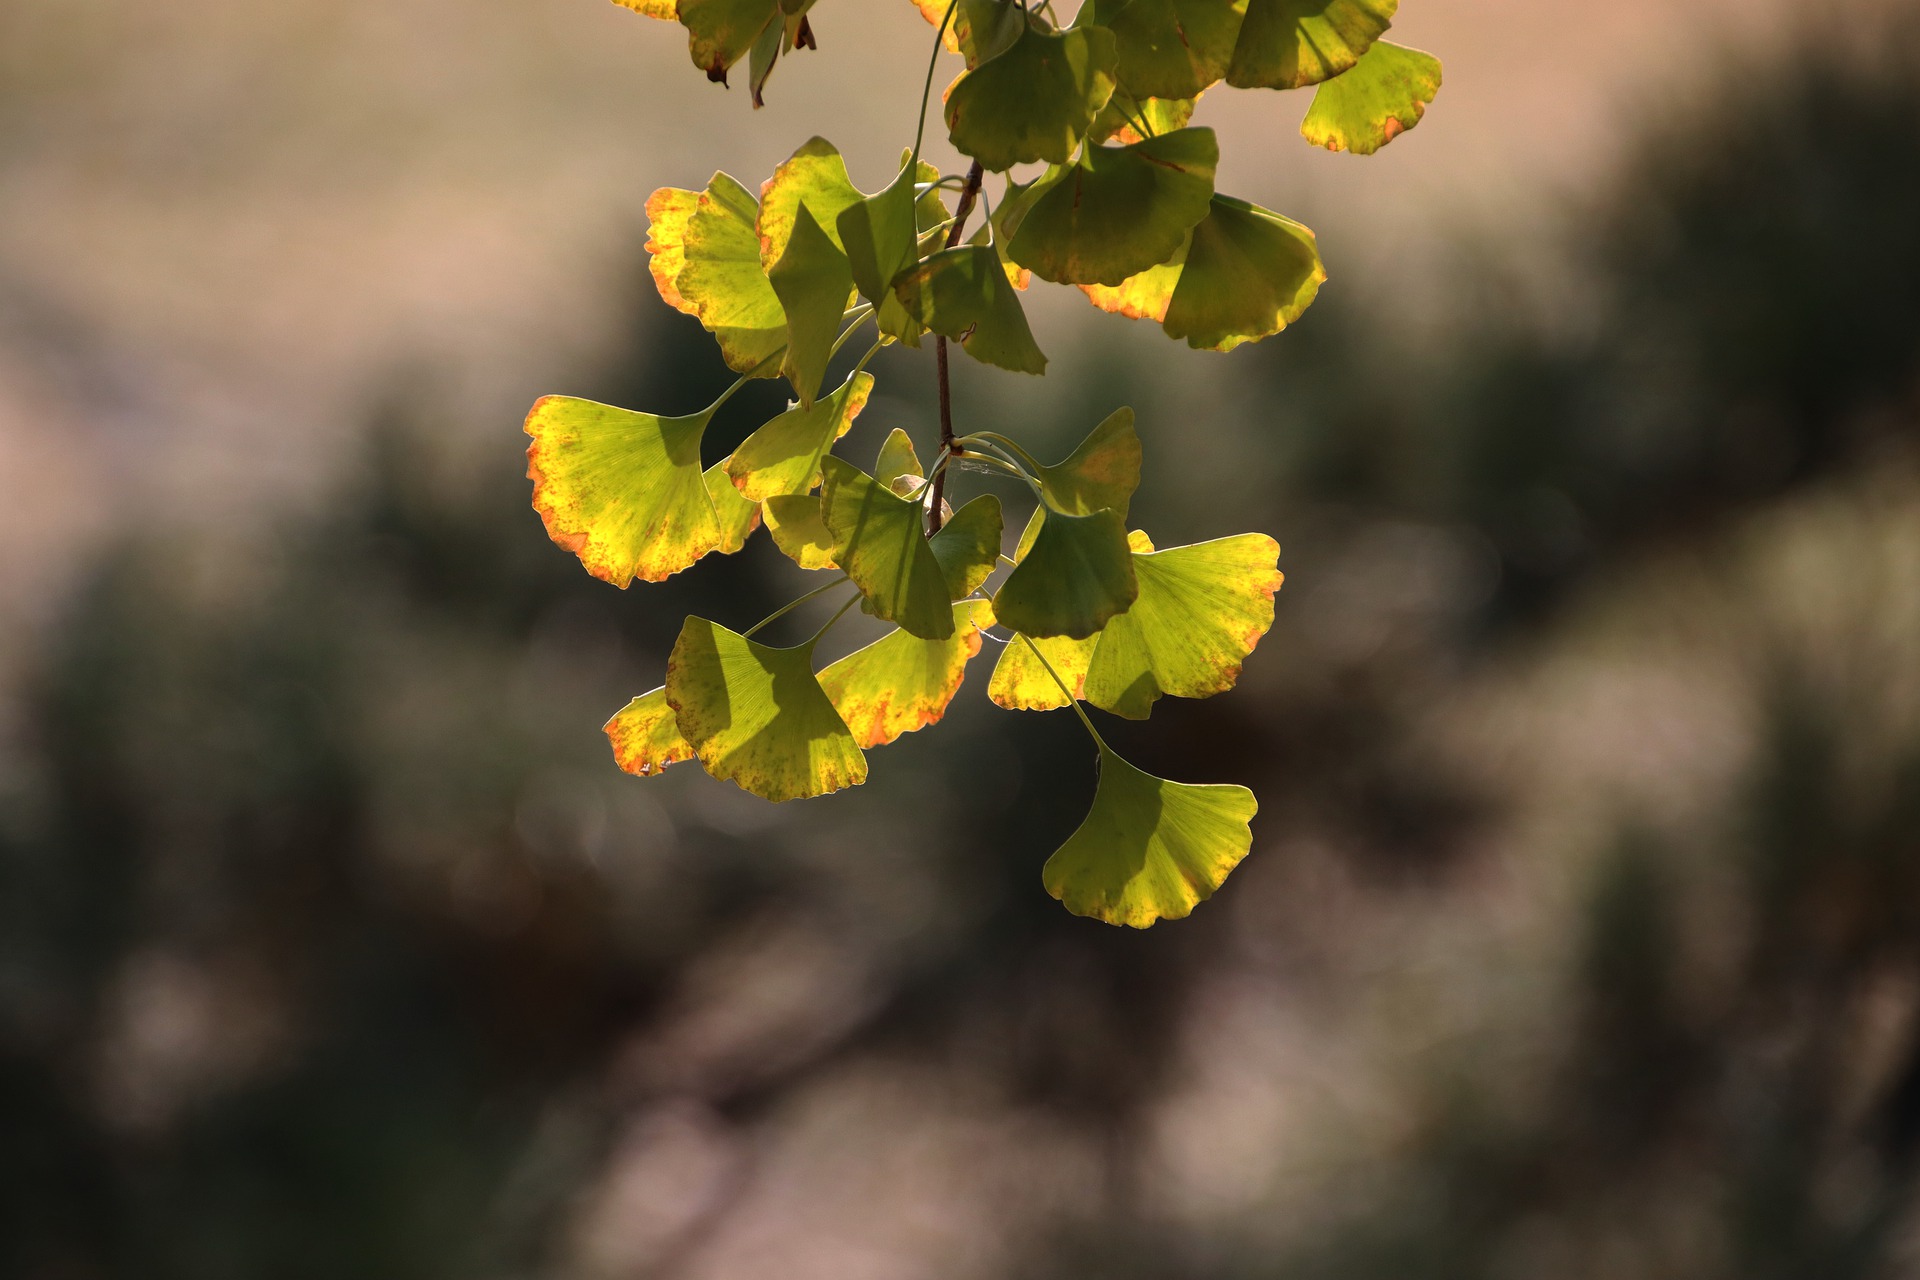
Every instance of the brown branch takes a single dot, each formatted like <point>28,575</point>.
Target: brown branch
<point>968,194</point>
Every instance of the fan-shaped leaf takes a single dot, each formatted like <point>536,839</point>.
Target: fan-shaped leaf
<point>1173,48</point>
<point>879,543</point>
<point>1290,44</point>
<point>812,281</point>
<point>720,32</point>
<point>1102,471</point>
<point>739,517</point>
<point>881,235</point>
<point>756,716</point>
<point>979,28</point>
<point>814,176</point>
<point>897,460</point>
<point>901,683</point>
<point>783,456</point>
<point>964,293</point>
<point>1117,120</point>
<point>706,263</point>
<point>968,545</point>
<point>621,490</point>
<point>1021,681</point>
<point>1119,210</point>
<point>1034,100</point>
<point>1077,574</point>
<point>1384,95</point>
<point>1150,849</point>
<point>668,9</point>
<point>802,536</point>
<point>645,736</point>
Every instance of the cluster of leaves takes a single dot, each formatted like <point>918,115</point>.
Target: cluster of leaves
<point>1124,209</point>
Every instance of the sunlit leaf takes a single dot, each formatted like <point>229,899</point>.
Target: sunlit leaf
<point>1290,44</point>
<point>968,545</point>
<point>757,716</point>
<point>897,459</point>
<point>1384,95</point>
<point>881,235</point>
<point>964,293</point>
<point>814,176</point>
<point>720,32</point>
<point>1119,210</point>
<point>739,516</point>
<point>880,543</point>
<point>1150,849</point>
<point>812,282</point>
<point>706,263</point>
<point>1173,48</point>
<point>802,536</point>
<point>1034,100</point>
<point>762,59</point>
<point>1117,120</point>
<point>1021,681</point>
<point>621,490</point>
<point>1102,471</point>
<point>668,9</point>
<point>901,683</point>
<point>645,736</point>
<point>1077,574</point>
<point>783,456</point>
<point>1200,612</point>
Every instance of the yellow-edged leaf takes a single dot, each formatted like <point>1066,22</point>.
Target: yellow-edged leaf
<point>645,736</point>
<point>783,456</point>
<point>900,682</point>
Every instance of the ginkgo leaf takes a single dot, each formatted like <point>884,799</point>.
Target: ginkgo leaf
<point>761,60</point>
<point>881,235</point>
<point>1034,100</point>
<point>1245,273</point>
<point>668,9</point>
<point>1118,119</point>
<point>783,456</point>
<point>706,263</point>
<point>1173,48</point>
<point>1022,682</point>
<point>897,459</point>
<point>720,32</point>
<point>1290,44</point>
<point>1119,210</point>
<point>756,716</point>
<point>1102,471</point>
<point>802,536</point>
<point>964,293</point>
<point>812,281</point>
<point>621,490</point>
<point>1384,95</point>
<point>1077,574</point>
<point>880,544</point>
<point>968,545</point>
<point>1201,610</point>
<point>1150,849</point>
<point>900,682</point>
<point>978,29</point>
<point>738,515</point>
<point>814,176</point>
<point>645,736</point>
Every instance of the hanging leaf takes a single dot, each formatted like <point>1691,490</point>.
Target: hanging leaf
<point>964,293</point>
<point>762,59</point>
<point>1034,100</point>
<point>814,176</point>
<point>1102,471</point>
<point>1150,849</point>
<point>621,490</point>
<point>881,235</point>
<point>901,683</point>
<point>668,9</point>
<point>783,456</point>
<point>1200,612</point>
<point>1384,95</point>
<point>879,543</point>
<point>645,736</point>
<point>898,462</point>
<point>1173,48</point>
<point>757,717</point>
<point>1021,681</point>
<point>1245,273</point>
<point>802,536</point>
<point>1119,210</point>
<point>706,263</point>
<point>1290,44</point>
<point>1078,574</point>
<point>812,281</point>
<point>968,545</point>
<point>720,32</point>
<point>979,28</point>
<point>1116,121</point>
<point>738,516</point>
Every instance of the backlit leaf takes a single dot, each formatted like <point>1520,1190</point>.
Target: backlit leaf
<point>802,536</point>
<point>1119,210</point>
<point>645,736</point>
<point>783,456</point>
<point>964,293</point>
<point>1034,100</point>
<point>1116,121</point>
<point>900,682</point>
<point>757,716</point>
<point>1173,48</point>
<point>739,516</point>
<point>1200,612</point>
<point>1380,98</point>
<point>897,459</point>
<point>1077,574</point>
<point>621,490</point>
<point>1021,683</point>
<point>720,32</point>
<point>879,542</point>
<point>706,263</point>
<point>1102,471</point>
<point>1150,849</point>
<point>968,545</point>
<point>668,9</point>
<point>1290,44</point>
<point>814,176</point>
<point>881,235</point>
<point>812,282</point>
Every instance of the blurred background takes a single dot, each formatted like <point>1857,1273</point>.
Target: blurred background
<point>1581,934</point>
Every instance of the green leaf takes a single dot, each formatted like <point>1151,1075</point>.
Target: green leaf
<point>1201,610</point>
<point>1173,48</point>
<point>901,683</point>
<point>1078,574</point>
<point>881,234</point>
<point>1102,471</point>
<point>720,32</point>
<point>645,736</point>
<point>1290,44</point>
<point>1034,100</point>
<point>968,545</point>
<point>879,543</point>
<point>706,263</point>
<point>738,515</point>
<point>802,536</point>
<point>1246,273</point>
<point>1021,683</point>
<point>621,490</point>
<point>1384,95</point>
<point>783,456</point>
<point>1115,123</point>
<point>668,9</point>
<point>812,281</point>
<point>756,716</point>
<point>964,293</point>
<point>1150,849</point>
<point>979,28</point>
<point>814,176</point>
<point>897,459</point>
<point>1119,210</point>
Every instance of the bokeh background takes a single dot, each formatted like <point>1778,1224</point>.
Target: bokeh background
<point>1581,934</point>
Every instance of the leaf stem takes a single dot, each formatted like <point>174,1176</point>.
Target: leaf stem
<point>1071,700</point>
<point>968,194</point>
<point>791,605</point>
<point>859,315</point>
<point>772,361</point>
<point>926,90</point>
<point>838,614</point>
<point>1008,446</point>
